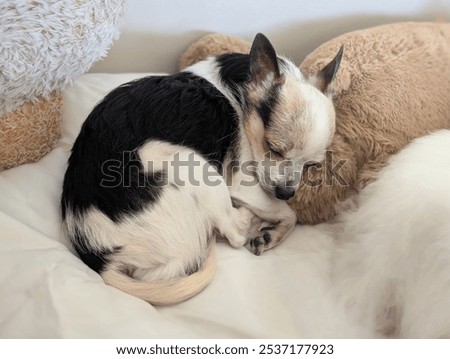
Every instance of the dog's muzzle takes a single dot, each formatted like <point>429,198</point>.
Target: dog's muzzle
<point>284,192</point>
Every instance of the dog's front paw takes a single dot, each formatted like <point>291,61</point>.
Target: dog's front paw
<point>258,245</point>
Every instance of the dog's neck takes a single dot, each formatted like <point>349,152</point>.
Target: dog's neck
<point>210,70</point>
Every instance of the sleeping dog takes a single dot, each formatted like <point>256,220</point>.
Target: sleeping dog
<point>165,165</point>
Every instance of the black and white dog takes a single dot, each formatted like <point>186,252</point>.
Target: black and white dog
<point>136,204</point>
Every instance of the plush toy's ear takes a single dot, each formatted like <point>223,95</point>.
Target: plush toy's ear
<point>263,60</point>
<point>328,73</point>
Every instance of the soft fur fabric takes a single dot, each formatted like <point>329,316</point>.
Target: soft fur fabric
<point>45,45</point>
<point>392,267</point>
<point>393,86</point>
<point>30,131</point>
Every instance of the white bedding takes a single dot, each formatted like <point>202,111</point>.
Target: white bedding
<point>47,291</point>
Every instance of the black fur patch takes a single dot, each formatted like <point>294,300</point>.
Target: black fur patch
<point>95,260</point>
<point>116,186</point>
<point>234,72</point>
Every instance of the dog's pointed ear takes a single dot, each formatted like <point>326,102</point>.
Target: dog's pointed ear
<point>263,60</point>
<point>328,73</point>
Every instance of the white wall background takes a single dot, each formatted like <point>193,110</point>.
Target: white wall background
<point>155,32</point>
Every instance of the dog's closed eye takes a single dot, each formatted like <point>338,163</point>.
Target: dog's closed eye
<point>274,151</point>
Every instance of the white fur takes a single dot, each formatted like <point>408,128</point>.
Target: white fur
<point>319,115</point>
<point>392,268</point>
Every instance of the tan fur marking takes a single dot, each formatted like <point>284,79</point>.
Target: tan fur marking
<point>254,130</point>
<point>286,131</point>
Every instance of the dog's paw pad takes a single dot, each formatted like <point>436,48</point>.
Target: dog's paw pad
<point>259,244</point>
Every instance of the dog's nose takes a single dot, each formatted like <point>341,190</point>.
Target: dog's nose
<point>284,193</point>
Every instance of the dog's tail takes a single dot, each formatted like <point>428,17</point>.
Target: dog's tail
<point>166,292</point>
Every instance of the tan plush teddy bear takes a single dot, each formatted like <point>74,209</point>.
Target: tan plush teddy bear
<point>393,85</point>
